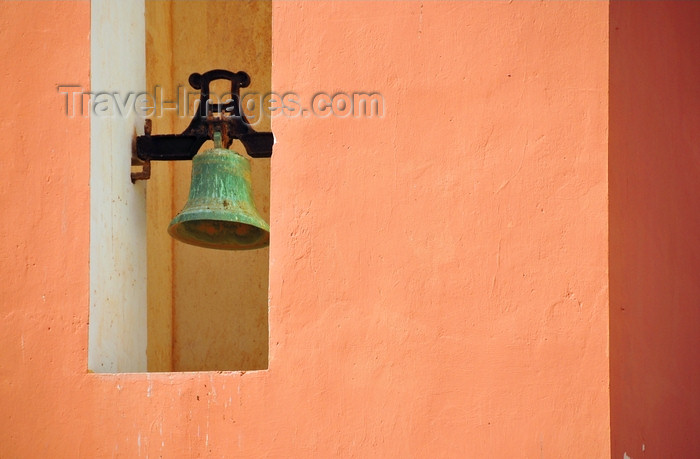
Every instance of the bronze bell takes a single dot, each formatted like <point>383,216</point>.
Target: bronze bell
<point>220,212</point>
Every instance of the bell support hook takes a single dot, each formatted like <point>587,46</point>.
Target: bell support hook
<point>232,123</point>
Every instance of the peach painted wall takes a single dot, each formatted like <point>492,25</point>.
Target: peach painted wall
<point>655,229</point>
<point>438,277</point>
<point>444,269</point>
<point>44,232</point>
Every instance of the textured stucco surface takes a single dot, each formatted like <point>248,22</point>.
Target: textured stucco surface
<point>438,277</point>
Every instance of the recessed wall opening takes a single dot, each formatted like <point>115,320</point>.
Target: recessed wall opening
<point>199,309</point>
<point>207,308</point>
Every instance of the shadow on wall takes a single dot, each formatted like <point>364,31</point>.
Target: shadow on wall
<point>654,167</point>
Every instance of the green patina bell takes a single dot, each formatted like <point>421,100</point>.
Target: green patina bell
<point>220,213</point>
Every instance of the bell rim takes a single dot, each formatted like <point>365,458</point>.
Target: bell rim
<point>195,214</point>
<point>173,231</point>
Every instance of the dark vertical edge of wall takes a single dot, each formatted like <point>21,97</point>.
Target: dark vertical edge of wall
<point>654,173</point>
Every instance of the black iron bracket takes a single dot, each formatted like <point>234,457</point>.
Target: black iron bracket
<point>231,122</point>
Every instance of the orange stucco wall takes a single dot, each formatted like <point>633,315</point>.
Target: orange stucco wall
<point>655,228</point>
<point>438,277</point>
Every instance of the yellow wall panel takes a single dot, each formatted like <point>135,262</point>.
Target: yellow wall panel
<point>207,308</point>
